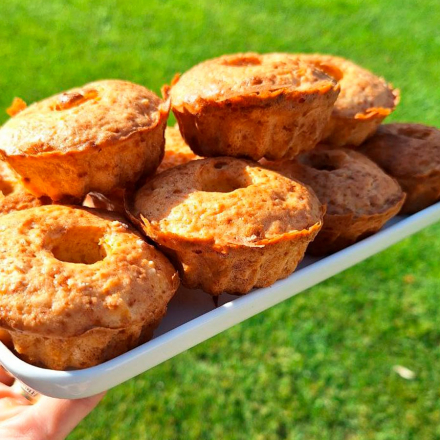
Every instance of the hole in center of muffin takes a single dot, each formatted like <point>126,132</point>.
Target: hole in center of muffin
<point>223,185</point>
<point>321,162</point>
<point>80,245</point>
<point>6,188</point>
<point>414,132</point>
<point>216,179</point>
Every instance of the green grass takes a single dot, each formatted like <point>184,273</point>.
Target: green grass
<point>319,366</point>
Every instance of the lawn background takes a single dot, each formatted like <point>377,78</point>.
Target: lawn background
<point>319,366</point>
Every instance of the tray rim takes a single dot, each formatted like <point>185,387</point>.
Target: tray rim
<point>83,383</point>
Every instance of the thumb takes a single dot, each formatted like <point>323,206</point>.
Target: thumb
<point>56,418</point>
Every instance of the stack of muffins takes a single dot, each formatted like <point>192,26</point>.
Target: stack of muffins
<point>104,208</point>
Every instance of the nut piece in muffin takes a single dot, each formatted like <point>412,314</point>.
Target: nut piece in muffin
<point>364,102</point>
<point>78,288</point>
<point>252,105</point>
<point>113,201</point>
<point>360,197</point>
<point>104,135</point>
<point>13,196</point>
<point>228,224</point>
<point>411,154</point>
<point>177,151</point>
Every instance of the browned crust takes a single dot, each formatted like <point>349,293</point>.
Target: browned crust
<point>228,241</point>
<point>177,151</point>
<point>357,112</point>
<point>422,191</point>
<point>70,176</point>
<point>253,116</point>
<point>63,312</point>
<point>112,140</point>
<point>13,196</point>
<point>234,268</point>
<point>278,125</point>
<point>91,348</point>
<point>341,231</point>
<point>342,131</point>
<point>410,153</point>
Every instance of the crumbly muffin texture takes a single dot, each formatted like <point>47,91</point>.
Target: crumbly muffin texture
<point>229,225</point>
<point>364,101</point>
<point>99,137</point>
<point>177,151</point>
<point>346,181</point>
<point>411,154</point>
<point>101,112</point>
<point>358,195</point>
<point>226,201</point>
<point>13,195</point>
<point>238,75</point>
<point>252,106</point>
<point>66,272</point>
<point>403,149</point>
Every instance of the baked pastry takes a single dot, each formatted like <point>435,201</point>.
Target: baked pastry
<point>78,288</point>
<point>360,197</point>
<point>252,105</point>
<point>228,224</point>
<point>177,151</point>
<point>364,102</point>
<point>411,154</point>
<point>13,196</point>
<point>98,137</point>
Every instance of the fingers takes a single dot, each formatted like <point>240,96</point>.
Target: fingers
<point>10,403</point>
<point>56,418</point>
<point>5,377</point>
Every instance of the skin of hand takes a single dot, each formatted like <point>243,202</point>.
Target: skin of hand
<point>48,418</point>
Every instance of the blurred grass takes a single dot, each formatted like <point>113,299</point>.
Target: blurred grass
<point>319,366</point>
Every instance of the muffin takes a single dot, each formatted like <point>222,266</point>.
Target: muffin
<point>177,151</point>
<point>251,105</point>
<point>359,196</point>
<point>102,136</point>
<point>78,288</point>
<point>411,154</point>
<point>364,102</point>
<point>13,196</point>
<point>228,224</point>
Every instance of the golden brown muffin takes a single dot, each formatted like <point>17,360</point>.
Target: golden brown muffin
<point>360,197</point>
<point>252,105</point>
<point>102,136</point>
<point>228,224</point>
<point>13,196</point>
<point>177,151</point>
<point>364,102</point>
<point>411,154</point>
<point>78,288</point>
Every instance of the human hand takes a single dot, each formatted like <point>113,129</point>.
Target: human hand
<point>47,419</point>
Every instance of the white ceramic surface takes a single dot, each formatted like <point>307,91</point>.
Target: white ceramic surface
<point>192,317</point>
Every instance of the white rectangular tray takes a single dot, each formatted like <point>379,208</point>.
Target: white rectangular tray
<point>192,317</point>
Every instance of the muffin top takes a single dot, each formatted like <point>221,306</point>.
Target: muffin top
<point>226,201</point>
<point>177,151</point>
<point>345,180</point>
<point>247,75</point>
<point>97,114</point>
<point>405,149</point>
<point>363,95</point>
<point>65,270</point>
